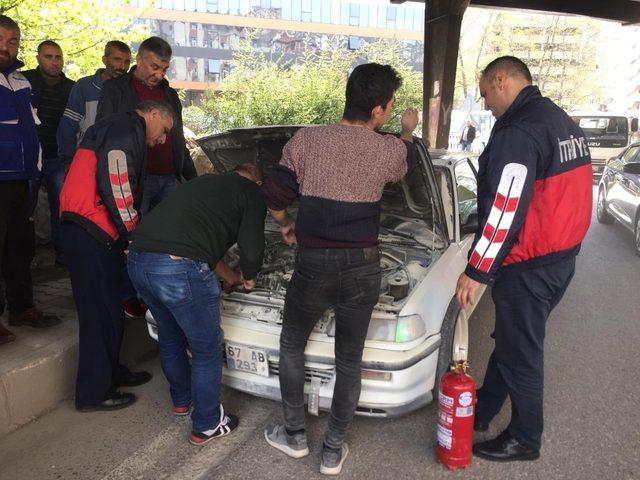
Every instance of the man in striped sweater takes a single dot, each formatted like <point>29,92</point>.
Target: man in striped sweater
<point>50,90</point>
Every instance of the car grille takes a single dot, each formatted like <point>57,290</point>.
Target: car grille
<point>310,373</point>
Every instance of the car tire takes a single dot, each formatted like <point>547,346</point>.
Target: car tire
<point>454,338</point>
<point>602,214</point>
<point>637,233</point>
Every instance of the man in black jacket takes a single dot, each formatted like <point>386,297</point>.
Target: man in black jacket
<point>468,136</point>
<point>50,90</point>
<point>99,203</point>
<point>146,81</point>
<point>166,163</point>
<point>534,209</point>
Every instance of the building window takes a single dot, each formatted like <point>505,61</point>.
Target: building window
<point>354,14</point>
<point>212,6</point>
<point>306,11</point>
<point>354,43</point>
<point>391,16</point>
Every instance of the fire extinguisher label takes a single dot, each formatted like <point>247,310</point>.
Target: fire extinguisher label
<point>465,399</point>
<point>464,411</point>
<point>445,400</point>
<point>445,436</point>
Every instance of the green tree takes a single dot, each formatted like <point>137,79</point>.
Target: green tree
<point>81,27</point>
<point>261,90</point>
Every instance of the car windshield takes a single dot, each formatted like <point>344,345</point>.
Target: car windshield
<point>603,126</point>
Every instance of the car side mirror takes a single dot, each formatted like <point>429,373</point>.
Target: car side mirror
<point>632,168</point>
<point>471,225</point>
<point>634,124</point>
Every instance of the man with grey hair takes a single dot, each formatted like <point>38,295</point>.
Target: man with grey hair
<point>99,202</point>
<point>167,163</point>
<point>534,209</point>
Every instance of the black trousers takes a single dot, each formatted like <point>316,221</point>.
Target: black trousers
<point>523,301</point>
<point>349,281</point>
<point>17,245</point>
<point>96,281</point>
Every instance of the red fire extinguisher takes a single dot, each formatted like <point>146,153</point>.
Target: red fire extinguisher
<point>456,400</point>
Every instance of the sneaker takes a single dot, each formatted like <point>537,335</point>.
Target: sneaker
<point>332,460</point>
<point>293,445</point>
<point>228,423</point>
<point>182,411</point>
<point>134,308</point>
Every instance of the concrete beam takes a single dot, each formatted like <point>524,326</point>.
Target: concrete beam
<point>443,19</point>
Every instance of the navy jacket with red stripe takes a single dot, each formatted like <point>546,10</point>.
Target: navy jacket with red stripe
<point>102,189</point>
<point>534,189</point>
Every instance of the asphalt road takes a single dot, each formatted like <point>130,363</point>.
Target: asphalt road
<point>592,419</point>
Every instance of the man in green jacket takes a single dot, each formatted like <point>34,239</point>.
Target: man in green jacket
<point>175,261</point>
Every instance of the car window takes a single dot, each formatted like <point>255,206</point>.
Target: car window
<point>630,154</point>
<point>467,188</point>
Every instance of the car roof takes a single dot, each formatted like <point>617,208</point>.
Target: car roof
<point>597,114</point>
<point>449,157</point>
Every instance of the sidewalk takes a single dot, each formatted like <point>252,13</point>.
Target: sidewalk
<point>37,371</point>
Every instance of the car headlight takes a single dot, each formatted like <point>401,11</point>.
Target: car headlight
<point>396,329</point>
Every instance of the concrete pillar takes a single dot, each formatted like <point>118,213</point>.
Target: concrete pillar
<point>443,19</point>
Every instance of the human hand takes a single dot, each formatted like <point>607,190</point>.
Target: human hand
<point>249,284</point>
<point>288,233</point>
<point>409,121</point>
<point>466,290</point>
<point>231,281</point>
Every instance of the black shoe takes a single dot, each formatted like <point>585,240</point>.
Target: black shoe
<point>504,448</point>
<point>116,401</point>
<point>480,426</point>
<point>133,379</point>
<point>33,318</point>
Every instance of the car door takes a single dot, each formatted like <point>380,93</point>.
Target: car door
<point>618,192</point>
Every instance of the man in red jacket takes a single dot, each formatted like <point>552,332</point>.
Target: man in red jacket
<point>99,203</point>
<point>534,209</point>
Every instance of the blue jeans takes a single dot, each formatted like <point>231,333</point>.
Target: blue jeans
<point>52,177</point>
<point>465,146</point>
<point>184,297</point>
<point>155,189</point>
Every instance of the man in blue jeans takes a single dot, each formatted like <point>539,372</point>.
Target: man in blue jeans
<point>175,262</point>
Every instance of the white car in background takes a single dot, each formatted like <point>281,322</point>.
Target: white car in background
<point>417,327</point>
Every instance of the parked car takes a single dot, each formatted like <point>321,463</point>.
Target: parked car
<point>619,191</point>
<point>416,328</point>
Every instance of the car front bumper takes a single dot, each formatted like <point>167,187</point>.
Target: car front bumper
<point>409,376</point>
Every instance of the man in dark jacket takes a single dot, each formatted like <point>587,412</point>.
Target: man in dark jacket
<point>50,90</point>
<point>170,161</point>
<point>19,151</point>
<point>468,136</point>
<point>176,271</point>
<point>534,208</point>
<point>99,203</point>
<point>166,163</point>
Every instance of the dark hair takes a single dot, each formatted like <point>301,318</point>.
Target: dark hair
<point>157,46</point>
<point>8,23</point>
<point>117,44</point>
<point>511,65</point>
<point>369,85</point>
<point>250,168</point>
<point>160,105</point>
<point>48,43</point>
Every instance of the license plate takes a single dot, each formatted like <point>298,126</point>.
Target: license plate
<point>247,359</point>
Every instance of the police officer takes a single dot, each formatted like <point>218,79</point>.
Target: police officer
<point>534,207</point>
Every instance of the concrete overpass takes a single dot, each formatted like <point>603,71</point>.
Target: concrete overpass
<point>443,20</point>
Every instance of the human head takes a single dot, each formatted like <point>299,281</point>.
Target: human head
<point>159,119</point>
<point>501,82</point>
<point>370,93</point>
<point>9,41</point>
<point>117,58</point>
<point>250,171</point>
<point>152,61</point>
<point>50,59</point>
<point>468,123</point>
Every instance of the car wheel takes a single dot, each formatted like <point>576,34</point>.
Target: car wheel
<point>454,338</point>
<point>601,208</point>
<point>637,232</point>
